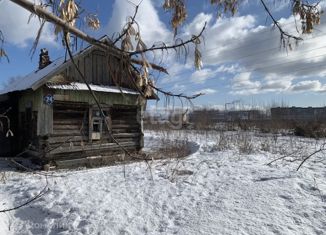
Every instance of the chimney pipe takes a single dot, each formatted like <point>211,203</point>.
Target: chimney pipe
<point>44,58</point>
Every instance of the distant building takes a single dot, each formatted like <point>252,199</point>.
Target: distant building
<point>299,114</point>
<point>241,115</point>
<point>214,116</point>
<point>206,116</point>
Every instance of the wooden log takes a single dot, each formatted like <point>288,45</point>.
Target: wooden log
<point>85,154</point>
<point>62,139</point>
<point>124,122</point>
<point>69,127</point>
<point>120,131</point>
<point>67,121</point>
<point>127,135</point>
<point>69,111</point>
<point>66,133</point>
<point>93,147</point>
<point>65,104</point>
<point>126,126</point>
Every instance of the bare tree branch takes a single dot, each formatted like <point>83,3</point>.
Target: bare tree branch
<point>322,149</point>
<point>132,21</point>
<point>277,24</point>
<point>176,95</point>
<point>39,195</point>
<point>164,47</point>
<point>46,15</point>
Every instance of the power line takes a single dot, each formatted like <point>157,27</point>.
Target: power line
<point>262,51</point>
<point>269,49</point>
<point>253,70</point>
<point>292,55</point>
<point>270,66</point>
<point>302,69</point>
<point>270,28</point>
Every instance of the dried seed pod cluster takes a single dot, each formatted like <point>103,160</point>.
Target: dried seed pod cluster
<point>68,11</point>
<point>179,12</point>
<point>225,6</point>
<point>130,35</point>
<point>93,22</point>
<point>2,51</point>
<point>128,31</point>
<point>198,57</point>
<point>309,15</point>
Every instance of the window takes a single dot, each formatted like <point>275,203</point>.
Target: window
<point>97,127</point>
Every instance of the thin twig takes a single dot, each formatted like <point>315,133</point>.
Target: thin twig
<point>129,25</point>
<point>283,157</point>
<point>39,195</point>
<point>181,44</point>
<point>176,95</point>
<point>322,149</point>
<point>277,24</point>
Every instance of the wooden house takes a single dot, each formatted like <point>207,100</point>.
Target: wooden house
<point>54,118</point>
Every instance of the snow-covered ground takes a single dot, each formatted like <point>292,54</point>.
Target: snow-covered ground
<point>224,187</point>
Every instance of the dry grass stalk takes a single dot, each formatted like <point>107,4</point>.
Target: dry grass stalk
<point>3,177</point>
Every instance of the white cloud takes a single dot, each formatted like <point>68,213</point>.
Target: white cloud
<point>243,81</point>
<point>309,85</point>
<point>232,69</point>
<point>253,50</point>
<point>258,49</point>
<point>151,28</point>
<point>197,24</point>
<point>271,86</point>
<point>15,27</point>
<point>200,76</point>
<point>207,91</point>
<point>243,84</point>
<point>179,88</point>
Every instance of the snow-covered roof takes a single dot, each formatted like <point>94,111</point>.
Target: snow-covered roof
<point>29,81</point>
<point>82,87</point>
<point>39,77</point>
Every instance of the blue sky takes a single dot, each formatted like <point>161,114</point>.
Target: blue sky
<point>241,55</point>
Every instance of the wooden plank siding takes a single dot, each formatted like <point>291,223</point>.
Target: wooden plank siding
<point>98,69</point>
<point>72,124</point>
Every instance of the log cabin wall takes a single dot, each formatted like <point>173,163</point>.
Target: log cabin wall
<point>70,128</point>
<point>126,125</point>
<point>47,127</point>
<point>80,132</point>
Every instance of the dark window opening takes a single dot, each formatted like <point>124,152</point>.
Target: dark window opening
<point>97,126</point>
<point>98,129</point>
